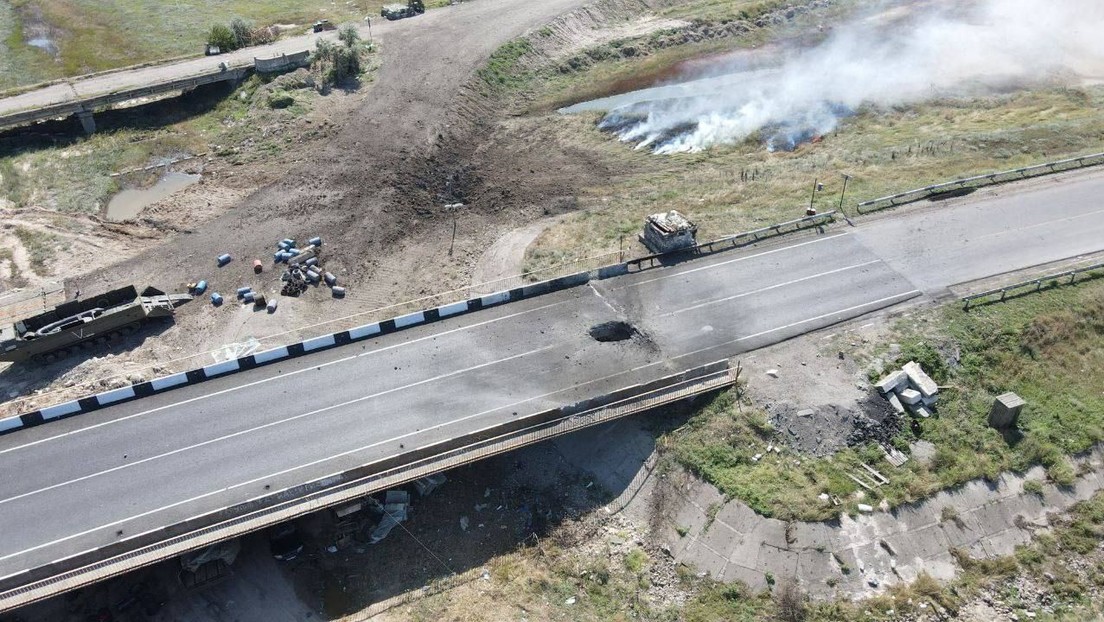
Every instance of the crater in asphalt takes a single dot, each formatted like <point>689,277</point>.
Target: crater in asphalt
<point>612,331</point>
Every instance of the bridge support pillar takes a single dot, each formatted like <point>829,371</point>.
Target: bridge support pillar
<point>87,122</point>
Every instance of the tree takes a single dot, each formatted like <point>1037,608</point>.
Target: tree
<point>221,37</point>
<point>243,32</point>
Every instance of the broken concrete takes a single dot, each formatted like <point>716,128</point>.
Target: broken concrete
<point>920,380</point>
<point>892,382</point>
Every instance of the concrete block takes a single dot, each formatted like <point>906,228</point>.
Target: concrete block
<point>892,382</point>
<point>895,403</point>
<point>920,380</point>
<point>910,396</point>
<point>921,411</point>
<point>1006,411</point>
<point>929,400</point>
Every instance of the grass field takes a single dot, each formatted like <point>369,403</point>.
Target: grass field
<point>1046,347</point>
<point>91,35</point>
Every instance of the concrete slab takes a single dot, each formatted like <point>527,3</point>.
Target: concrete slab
<point>754,579</point>
<point>920,379</point>
<point>779,562</point>
<point>738,516</point>
<point>891,382</point>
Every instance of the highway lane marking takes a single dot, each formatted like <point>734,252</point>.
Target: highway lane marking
<point>725,263</point>
<point>769,288</point>
<point>302,466</point>
<point>905,296</point>
<point>1035,226</point>
<point>902,296</point>
<point>267,425</point>
<point>273,378</point>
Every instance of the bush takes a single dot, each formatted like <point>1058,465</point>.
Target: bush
<point>222,37</point>
<point>1033,486</point>
<point>348,35</point>
<point>242,31</point>
<point>335,63</point>
<point>791,602</point>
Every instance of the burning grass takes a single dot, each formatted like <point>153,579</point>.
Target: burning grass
<point>1047,347</point>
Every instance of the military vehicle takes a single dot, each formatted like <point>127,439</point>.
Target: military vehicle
<point>78,325</point>
<point>399,11</point>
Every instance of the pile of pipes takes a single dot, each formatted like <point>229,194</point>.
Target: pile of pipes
<point>304,268</point>
<point>910,388</point>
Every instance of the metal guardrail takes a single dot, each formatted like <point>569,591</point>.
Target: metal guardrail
<point>979,181</point>
<point>1032,285</point>
<point>475,446</point>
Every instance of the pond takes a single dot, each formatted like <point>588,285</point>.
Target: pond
<point>130,202</point>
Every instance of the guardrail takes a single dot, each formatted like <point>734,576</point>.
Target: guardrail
<point>279,506</point>
<point>1033,285</point>
<point>980,181</point>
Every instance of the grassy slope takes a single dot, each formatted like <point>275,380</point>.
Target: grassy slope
<point>1046,347</point>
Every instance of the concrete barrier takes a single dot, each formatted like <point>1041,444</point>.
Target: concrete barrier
<point>281,63</point>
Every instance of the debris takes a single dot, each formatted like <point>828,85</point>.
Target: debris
<point>223,259</point>
<point>485,575</point>
<point>216,299</point>
<point>338,292</point>
<point>570,601</point>
<point>272,305</point>
<point>257,267</point>
<point>920,380</point>
<point>892,382</point>
<point>865,508</point>
<point>464,523</point>
<point>876,474</point>
<point>428,484</point>
<point>910,397</point>
<point>331,549</point>
<point>773,373</point>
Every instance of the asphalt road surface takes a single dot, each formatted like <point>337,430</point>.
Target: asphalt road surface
<point>71,486</point>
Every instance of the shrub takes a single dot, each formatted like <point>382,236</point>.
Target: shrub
<point>242,31</point>
<point>791,602</point>
<point>221,37</point>
<point>348,35</point>
<point>1033,486</point>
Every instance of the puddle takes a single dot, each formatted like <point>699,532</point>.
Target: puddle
<point>612,331</point>
<point>129,203</point>
<point>44,44</point>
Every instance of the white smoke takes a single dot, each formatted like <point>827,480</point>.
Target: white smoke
<point>953,48</point>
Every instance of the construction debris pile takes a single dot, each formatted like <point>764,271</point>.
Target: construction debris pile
<point>909,388</point>
<point>668,231</point>
<point>370,520</point>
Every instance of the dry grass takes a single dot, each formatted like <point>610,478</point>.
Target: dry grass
<point>740,187</point>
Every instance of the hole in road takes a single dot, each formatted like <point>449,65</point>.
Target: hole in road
<point>612,331</point>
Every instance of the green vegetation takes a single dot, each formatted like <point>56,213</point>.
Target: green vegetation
<point>41,246</point>
<point>1038,346</point>
<point>503,70</point>
<point>93,36</point>
<point>339,63</point>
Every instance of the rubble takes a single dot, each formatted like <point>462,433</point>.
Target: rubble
<point>668,231</point>
<point>911,389</point>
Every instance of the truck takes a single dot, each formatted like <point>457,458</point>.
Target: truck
<point>399,11</point>
<point>78,325</point>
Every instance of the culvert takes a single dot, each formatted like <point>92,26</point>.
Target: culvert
<point>612,331</point>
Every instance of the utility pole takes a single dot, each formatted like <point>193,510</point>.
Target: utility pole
<point>817,186</point>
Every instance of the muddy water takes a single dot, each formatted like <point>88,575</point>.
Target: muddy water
<point>129,203</point>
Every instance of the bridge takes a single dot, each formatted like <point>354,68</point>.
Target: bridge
<point>97,494</point>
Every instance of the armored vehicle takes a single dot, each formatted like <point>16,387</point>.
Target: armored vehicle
<point>76,325</point>
<point>399,11</point>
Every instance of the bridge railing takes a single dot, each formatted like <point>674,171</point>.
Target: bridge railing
<point>1033,285</point>
<point>279,506</point>
<point>979,181</point>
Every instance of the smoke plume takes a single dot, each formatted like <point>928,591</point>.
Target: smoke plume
<point>918,52</point>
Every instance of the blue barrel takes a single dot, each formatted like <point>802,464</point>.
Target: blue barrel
<point>288,243</point>
<point>277,257</point>
<point>331,280</point>
<point>271,306</point>
<point>242,291</point>
<point>283,245</point>
<point>338,292</point>
<point>216,298</point>
<point>294,251</point>
<point>247,297</point>
<point>310,262</point>
<point>313,276</point>
<point>223,259</point>
<point>315,241</point>
<point>200,288</point>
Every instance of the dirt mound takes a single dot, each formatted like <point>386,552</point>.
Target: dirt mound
<point>825,429</point>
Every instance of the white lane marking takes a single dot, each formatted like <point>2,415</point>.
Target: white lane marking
<point>905,296</point>
<point>767,289</point>
<point>266,425</point>
<point>280,377</point>
<point>1035,226</point>
<point>725,263</point>
<point>303,466</point>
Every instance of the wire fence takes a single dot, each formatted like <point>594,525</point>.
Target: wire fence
<point>949,188</point>
<point>1034,285</point>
